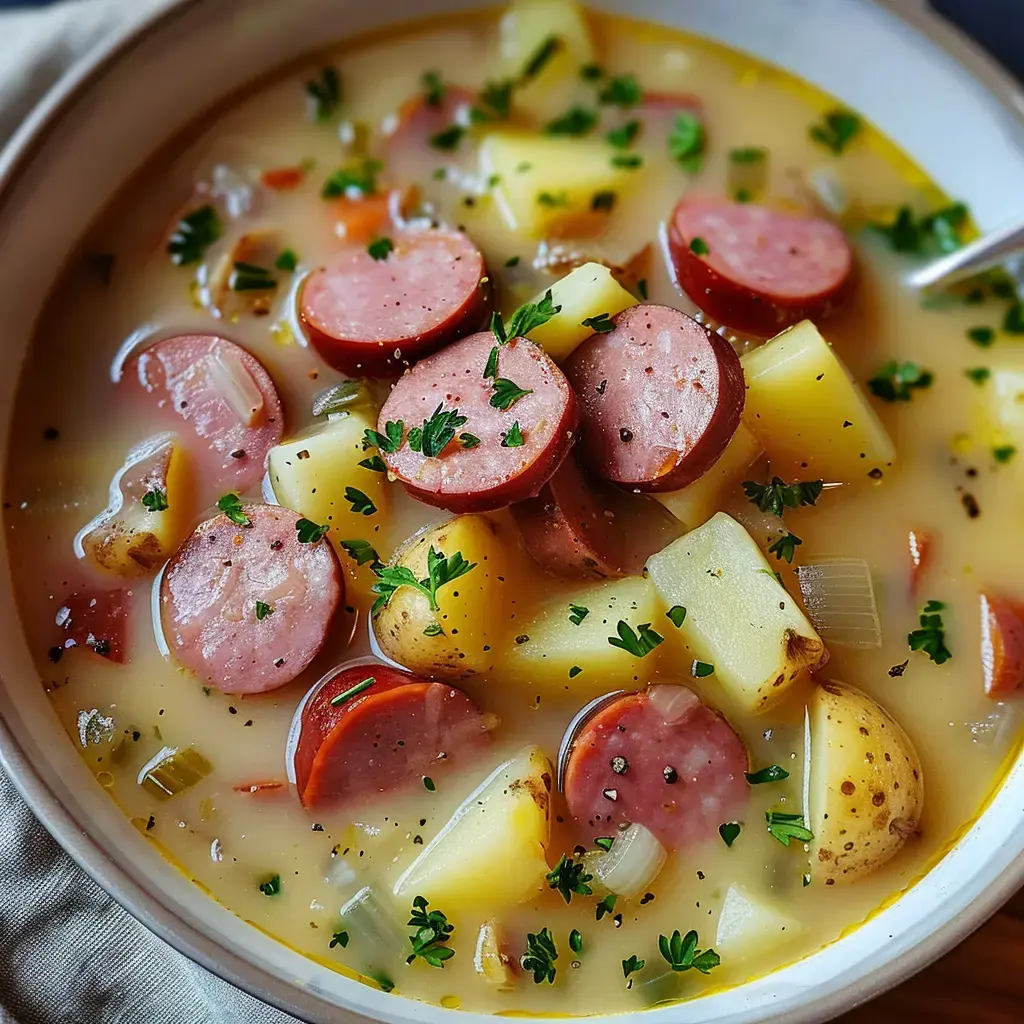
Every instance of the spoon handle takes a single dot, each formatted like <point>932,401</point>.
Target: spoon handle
<point>987,251</point>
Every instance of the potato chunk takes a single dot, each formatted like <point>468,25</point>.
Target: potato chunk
<point>547,184</point>
<point>461,637</point>
<point>738,617</point>
<point>491,852</point>
<point>552,652</point>
<point>318,474</point>
<point>867,789</point>
<point>587,291</point>
<point>811,417</point>
<point>751,926</point>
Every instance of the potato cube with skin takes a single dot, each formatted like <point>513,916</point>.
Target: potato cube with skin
<point>751,926</point>
<point>463,636</point>
<point>739,618</point>
<point>697,502</point>
<point>585,292</point>
<point>491,852</point>
<point>318,474</point>
<point>547,184</point>
<point>811,417</point>
<point>554,652</point>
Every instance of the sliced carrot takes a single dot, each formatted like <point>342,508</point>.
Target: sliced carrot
<point>281,179</point>
<point>1002,645</point>
<point>920,544</point>
<point>362,220</point>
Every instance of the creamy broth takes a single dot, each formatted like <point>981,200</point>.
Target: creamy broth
<point>73,427</point>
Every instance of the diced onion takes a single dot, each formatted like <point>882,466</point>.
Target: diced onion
<point>236,386</point>
<point>632,863</point>
<point>171,771</point>
<point>825,184</point>
<point>366,917</point>
<point>488,960</point>
<point>840,601</point>
<point>673,703</point>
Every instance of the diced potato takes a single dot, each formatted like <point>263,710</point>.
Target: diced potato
<point>473,613</point>
<point>587,291</point>
<point>697,502</point>
<point>738,617</point>
<point>128,538</point>
<point>547,184</point>
<point>750,926</point>
<point>867,787</point>
<point>525,27</point>
<point>811,417</point>
<point>310,475</point>
<point>556,648</point>
<point>491,853</point>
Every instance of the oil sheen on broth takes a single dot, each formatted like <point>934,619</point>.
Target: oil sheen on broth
<point>688,121</point>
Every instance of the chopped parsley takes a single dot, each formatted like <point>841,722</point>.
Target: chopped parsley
<point>894,381</point>
<point>978,374</point>
<point>606,906</point>
<point>575,121</point>
<point>507,393</point>
<point>469,440</point>
<point>194,234</point>
<point>773,773</point>
<point>681,953</point>
<point>699,247</point>
<point>339,939</point>
<point>576,941</point>
<point>540,956</point>
<point>428,784</point>
<point>437,432</point>
<point>433,629</point>
<point>591,72</point>
<point>574,671</point>
<point>938,231</point>
<point>785,547</point>
<point>527,317</point>
<point>263,610</point>
<point>553,200</point>
<point>983,336</point>
<point>308,532</point>
<point>374,463</point>
<point>603,200</point>
<point>361,504</point>
<point>836,130</point>
<point>730,832</point>
<point>1003,453</point>
<point>748,155</point>
<point>604,842</point>
<point>676,615</point>
<point>622,137</point>
<point>701,669</point>
<point>353,691</point>
<point>1013,322</point>
<point>362,551</point>
<point>356,179</point>
<point>231,506</point>
<point>632,965</point>
<point>287,260</point>
<point>930,637</point>
<point>272,886</point>
<point>250,277</point>
<point>569,878</point>
<point>540,57</point>
<point>621,91</point>
<point>448,138</point>
<point>786,827</point>
<point>491,366</point>
<point>431,936</point>
<point>686,142</point>
<point>441,570</point>
<point>577,613</point>
<point>639,643</point>
<point>496,98</point>
<point>434,88</point>
<point>512,261</point>
<point>513,437</point>
<point>379,248</point>
<point>627,161</point>
<point>777,495</point>
<point>389,442</point>
<point>600,324</point>
<point>325,93</point>
<point>155,500</point>
<point>641,287</point>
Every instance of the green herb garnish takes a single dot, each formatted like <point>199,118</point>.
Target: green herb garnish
<point>194,234</point>
<point>686,143</point>
<point>379,248</point>
<point>606,906</point>
<point>978,374</point>
<point>513,437</point>
<point>773,773</point>
<point>576,941</point>
<point>701,669</point>
<point>448,138</point>
<point>431,936</point>
<point>469,440</point>
<point>250,277</point>
<point>603,200</point>
<point>272,886</point>
<point>621,91</point>
<point>360,180</point>
<point>361,503</point>
<point>632,965</point>
<point>325,93</point>
<point>681,953</point>
<point>748,155</point>
<point>676,615</point>
<point>786,827</point>
<point>263,610</point>
<point>353,691</point>
<point>894,381</point>
<point>931,636</point>
<point>374,463</point>
<point>983,336</point>
<point>231,506</point>
<point>627,161</point>
<point>428,784</point>
<point>507,393</point>
<point>438,431</point>
<point>540,956</point>
<point>604,842</point>
<point>622,138</point>
<point>569,878</point>
<point>362,551</point>
<point>575,121</point>
<point>155,500</point>
<point>389,442</point>
<point>339,939</point>
<point>577,613</point>
<point>528,316</point>
<point>600,324</point>
<point>441,570</point>
<point>553,200</point>
<point>287,260</point>
<point>729,832</point>
<point>434,88</point>
<point>1003,453</point>
<point>699,247</point>
<point>640,643</point>
<point>785,547</point>
<point>777,496</point>
<point>309,532</point>
<point>836,130</point>
<point>936,232</point>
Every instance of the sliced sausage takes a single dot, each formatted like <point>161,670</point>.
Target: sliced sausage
<point>582,528</point>
<point>372,317</point>
<point>755,269</point>
<point>226,397</point>
<point>660,398</point>
<point>212,587</point>
<point>497,455</point>
<point>96,620</point>
<point>393,731</point>
<point>661,758</point>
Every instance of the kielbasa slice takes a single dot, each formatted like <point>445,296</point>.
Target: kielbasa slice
<point>505,445</point>
<point>226,397</point>
<point>372,317</point>
<point>662,758</point>
<point>583,528</point>
<point>660,398</point>
<point>755,269</point>
<point>393,731</point>
<point>247,607</point>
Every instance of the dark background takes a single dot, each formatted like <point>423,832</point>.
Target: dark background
<point>997,24</point>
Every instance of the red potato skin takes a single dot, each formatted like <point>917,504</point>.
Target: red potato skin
<point>1002,645</point>
<point>740,306</point>
<point>381,739</point>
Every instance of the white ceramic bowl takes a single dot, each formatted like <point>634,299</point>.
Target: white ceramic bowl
<point>949,106</point>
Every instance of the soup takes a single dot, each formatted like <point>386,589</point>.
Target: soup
<point>487,509</point>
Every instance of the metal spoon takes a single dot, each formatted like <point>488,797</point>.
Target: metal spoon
<point>1004,245</point>
<point>574,728</point>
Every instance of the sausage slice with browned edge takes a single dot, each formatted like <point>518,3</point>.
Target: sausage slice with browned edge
<point>247,607</point>
<point>661,758</point>
<point>583,528</point>
<point>223,393</point>
<point>388,729</point>
<point>470,443</point>
<point>373,315</point>
<point>755,269</point>
<point>660,398</point>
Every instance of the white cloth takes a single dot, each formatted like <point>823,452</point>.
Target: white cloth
<point>68,953</point>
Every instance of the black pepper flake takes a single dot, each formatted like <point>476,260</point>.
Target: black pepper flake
<point>276,545</point>
<point>600,387</point>
<point>619,765</point>
<point>522,638</point>
<point>625,435</point>
<point>102,647</point>
<point>317,827</point>
<point>56,653</point>
<point>278,662</point>
<point>238,453</point>
<point>151,823</point>
<point>248,723</point>
<point>233,711</point>
<point>671,775</point>
<point>647,897</point>
<point>423,822</point>
<point>847,423</point>
<point>51,434</point>
<point>875,474</point>
<point>417,840</point>
<point>970,504</point>
<point>898,670</point>
<point>617,919</point>
<point>700,875</point>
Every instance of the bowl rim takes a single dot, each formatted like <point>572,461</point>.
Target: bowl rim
<point>15,159</point>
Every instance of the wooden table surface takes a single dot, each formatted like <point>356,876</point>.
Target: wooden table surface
<point>979,982</point>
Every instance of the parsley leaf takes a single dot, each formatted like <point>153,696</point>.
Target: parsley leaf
<point>432,933</point>
<point>730,832</point>
<point>777,495</point>
<point>496,98</point>
<point>469,440</point>
<point>576,941</point>
<point>379,248</point>
<point>553,200</point>
<point>362,551</point>
<point>603,200</point>
<point>785,547</point>
<point>699,247</point>
<point>686,142</point>
<point>231,505</point>
<point>527,317</point>
<point>287,260</point>
<point>491,367</point>
<point>435,88</point>
<point>263,610</point>
<point>577,613</point>
<point>983,336</point>
<point>627,161</point>
<point>438,431</point>
<point>374,463</point>
<point>1003,453</point>
<point>355,180</point>
<point>836,130</point>
<point>681,953</point>
<point>325,92</point>
<point>978,374</point>
<point>894,381</point>
<point>621,91</point>
<point>352,691</point>
<point>249,277</point>
<point>309,532</point>
<point>513,437</point>
<point>748,155</point>
<point>676,615</point>
<point>540,956</point>
<point>568,877</point>
<point>448,138</point>
<point>773,773</point>
<point>931,636</point>
<point>361,504</point>
<point>507,393</point>
<point>622,138</point>
<point>194,234</point>
<point>539,58</point>
<point>632,965</point>
<point>339,939</point>
<point>441,570</point>
<point>1013,322</point>
<point>604,842</point>
<point>389,442</point>
<point>272,886</point>
<point>701,669</point>
<point>575,121</point>
<point>935,232</point>
<point>786,827</point>
<point>155,500</point>
<point>606,906</point>
<point>600,324</point>
<point>638,644</point>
